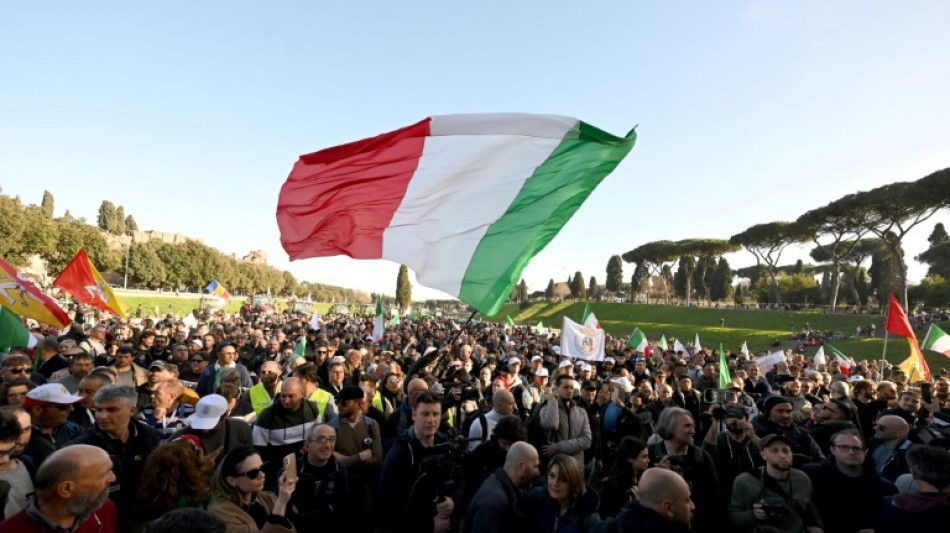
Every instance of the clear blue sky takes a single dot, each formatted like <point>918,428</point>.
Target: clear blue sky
<point>191,114</point>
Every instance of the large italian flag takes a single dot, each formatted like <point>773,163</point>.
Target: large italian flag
<point>464,200</point>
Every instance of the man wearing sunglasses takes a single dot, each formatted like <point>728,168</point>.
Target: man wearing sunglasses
<point>49,406</point>
<point>17,365</point>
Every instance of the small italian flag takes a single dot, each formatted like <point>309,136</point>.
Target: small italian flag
<point>937,340</point>
<point>509,322</point>
<point>638,341</point>
<point>844,362</point>
<point>300,350</point>
<point>662,344</point>
<point>589,320</point>
<point>724,377</point>
<point>539,328</point>
<point>378,324</point>
<point>13,334</point>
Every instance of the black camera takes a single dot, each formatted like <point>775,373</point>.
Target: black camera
<point>718,412</point>
<point>775,510</point>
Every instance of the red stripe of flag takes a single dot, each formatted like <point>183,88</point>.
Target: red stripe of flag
<point>339,200</point>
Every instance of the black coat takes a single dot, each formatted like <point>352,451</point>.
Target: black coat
<point>496,507</point>
<point>847,504</point>
<point>637,518</point>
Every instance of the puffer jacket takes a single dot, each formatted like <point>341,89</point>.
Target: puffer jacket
<point>573,427</point>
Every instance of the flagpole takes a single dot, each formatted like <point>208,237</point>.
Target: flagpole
<point>884,355</point>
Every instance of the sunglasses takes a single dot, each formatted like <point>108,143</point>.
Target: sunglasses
<point>19,370</point>
<point>61,407</point>
<point>251,474</point>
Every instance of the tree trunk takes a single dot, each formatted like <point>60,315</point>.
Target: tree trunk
<point>835,283</point>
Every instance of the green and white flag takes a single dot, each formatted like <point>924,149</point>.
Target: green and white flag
<point>539,328</point>
<point>589,320</point>
<point>724,377</point>
<point>394,321</point>
<point>13,334</point>
<point>844,362</point>
<point>937,340</point>
<point>662,344</point>
<point>509,322</point>
<point>638,341</point>
<point>378,324</point>
<point>696,345</point>
<point>300,350</point>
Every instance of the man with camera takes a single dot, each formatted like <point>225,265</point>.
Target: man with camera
<point>421,480</point>
<point>776,496</point>
<point>734,449</point>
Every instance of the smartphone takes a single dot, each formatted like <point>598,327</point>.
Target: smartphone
<point>290,466</point>
<point>926,392</point>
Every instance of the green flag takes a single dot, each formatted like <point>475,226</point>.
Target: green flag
<point>662,344</point>
<point>587,313</point>
<point>638,341</point>
<point>394,321</point>
<point>13,334</point>
<point>539,327</point>
<point>509,322</point>
<point>724,377</point>
<point>300,350</point>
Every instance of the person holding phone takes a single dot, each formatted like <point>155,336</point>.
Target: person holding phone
<point>240,499</point>
<point>323,491</point>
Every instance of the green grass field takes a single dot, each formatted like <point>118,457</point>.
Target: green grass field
<point>760,329</point>
<point>181,305</point>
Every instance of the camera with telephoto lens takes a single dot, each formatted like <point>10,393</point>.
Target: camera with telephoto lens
<point>468,390</point>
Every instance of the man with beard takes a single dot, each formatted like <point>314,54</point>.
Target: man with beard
<point>72,491</point>
<point>217,432</point>
<point>359,447</point>
<point>776,417</point>
<point>80,365</point>
<point>775,496</point>
<point>262,395</point>
<point>734,449</point>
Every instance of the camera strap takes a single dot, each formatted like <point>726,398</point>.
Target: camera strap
<point>766,480</point>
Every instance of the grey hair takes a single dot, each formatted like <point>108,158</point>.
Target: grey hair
<point>117,392</point>
<point>668,419</point>
<point>841,387</point>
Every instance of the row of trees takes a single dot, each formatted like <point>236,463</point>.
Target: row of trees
<point>31,230</point>
<point>846,232</point>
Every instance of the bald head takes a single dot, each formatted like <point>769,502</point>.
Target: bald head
<point>667,493</point>
<point>68,464</point>
<point>503,402</point>
<point>522,463</point>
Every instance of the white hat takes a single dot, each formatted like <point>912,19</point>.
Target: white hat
<point>564,363</point>
<point>537,358</point>
<point>584,367</point>
<point>556,349</point>
<point>610,360</point>
<point>541,373</point>
<point>623,383</point>
<point>50,393</point>
<point>514,361</point>
<point>209,411</point>
<point>338,359</point>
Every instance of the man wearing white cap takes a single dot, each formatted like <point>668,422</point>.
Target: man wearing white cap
<point>565,367</point>
<point>217,432</point>
<point>49,405</point>
<point>537,389</point>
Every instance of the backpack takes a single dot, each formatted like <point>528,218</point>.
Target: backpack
<point>335,424</point>
<point>470,419</point>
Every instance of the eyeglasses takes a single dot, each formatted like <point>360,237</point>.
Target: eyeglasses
<point>251,474</point>
<point>324,440</point>
<point>19,370</point>
<point>322,352</point>
<point>7,453</point>
<point>849,449</point>
<point>197,360</point>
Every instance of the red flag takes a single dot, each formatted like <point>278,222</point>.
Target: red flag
<point>23,298</point>
<point>81,279</point>
<point>896,322</point>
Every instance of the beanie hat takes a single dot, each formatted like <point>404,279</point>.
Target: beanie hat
<point>771,402</point>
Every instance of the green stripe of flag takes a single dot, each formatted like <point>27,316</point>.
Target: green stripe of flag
<point>547,200</point>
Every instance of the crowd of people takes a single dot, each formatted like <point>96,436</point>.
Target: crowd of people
<point>278,423</point>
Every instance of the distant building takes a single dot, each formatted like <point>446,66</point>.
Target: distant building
<point>258,257</point>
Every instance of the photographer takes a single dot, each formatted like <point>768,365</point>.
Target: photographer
<point>416,493</point>
<point>734,449</point>
<point>777,495</point>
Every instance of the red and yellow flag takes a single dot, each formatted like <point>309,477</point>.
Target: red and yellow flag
<point>914,366</point>
<point>81,279</point>
<point>24,299</point>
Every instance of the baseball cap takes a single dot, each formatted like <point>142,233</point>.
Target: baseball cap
<point>350,392</point>
<point>158,364</point>
<point>50,393</point>
<point>209,411</point>
<point>542,372</point>
<point>537,358</point>
<point>623,383</point>
<point>514,361</point>
<point>565,363</point>
<point>610,360</point>
<point>588,384</point>
<point>772,437</point>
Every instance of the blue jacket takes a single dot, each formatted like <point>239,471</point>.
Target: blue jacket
<point>542,513</point>
<point>496,507</point>
<point>206,379</point>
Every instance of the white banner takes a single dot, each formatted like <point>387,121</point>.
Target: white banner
<point>581,342</point>
<point>766,363</point>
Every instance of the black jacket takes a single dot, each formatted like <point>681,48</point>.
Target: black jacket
<point>805,449</point>
<point>496,507</point>
<point>847,504</point>
<point>635,518</point>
